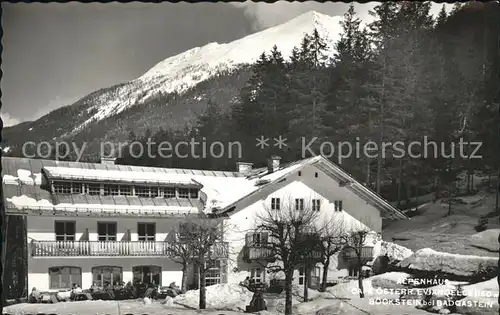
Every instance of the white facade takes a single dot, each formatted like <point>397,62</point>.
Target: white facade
<point>307,183</point>
<point>42,229</point>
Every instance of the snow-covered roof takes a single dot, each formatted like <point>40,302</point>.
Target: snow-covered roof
<point>222,190</point>
<point>158,178</point>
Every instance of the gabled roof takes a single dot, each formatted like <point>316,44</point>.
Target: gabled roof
<point>388,211</point>
<point>223,190</point>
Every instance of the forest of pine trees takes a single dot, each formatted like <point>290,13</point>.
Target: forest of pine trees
<point>405,76</point>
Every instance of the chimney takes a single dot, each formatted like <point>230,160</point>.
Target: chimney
<point>273,164</point>
<point>244,168</point>
<point>108,160</point>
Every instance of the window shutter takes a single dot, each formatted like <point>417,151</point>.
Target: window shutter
<point>265,237</point>
<point>248,239</point>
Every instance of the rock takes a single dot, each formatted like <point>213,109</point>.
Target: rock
<point>169,301</point>
<point>147,301</point>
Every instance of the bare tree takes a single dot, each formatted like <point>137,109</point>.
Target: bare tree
<point>202,244</point>
<point>181,252</point>
<point>331,236</point>
<point>354,240</point>
<point>286,228</point>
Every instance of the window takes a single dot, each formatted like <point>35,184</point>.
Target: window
<point>186,231</point>
<point>183,193</point>
<point>147,274</point>
<point>168,192</point>
<point>93,189</point>
<point>62,187</point>
<point>106,275</point>
<point>316,204</point>
<point>65,230</point>
<point>299,204</point>
<point>64,277</point>
<point>142,191</point>
<point>300,173</point>
<point>353,271</point>
<point>125,190</point>
<point>213,273</point>
<point>146,232</point>
<point>257,275</point>
<point>76,188</point>
<point>106,231</point>
<point>193,193</point>
<point>302,275</point>
<point>256,239</point>
<point>338,205</point>
<point>111,190</point>
<point>275,204</point>
<point>316,174</point>
<point>154,192</point>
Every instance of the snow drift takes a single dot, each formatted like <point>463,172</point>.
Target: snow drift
<point>460,265</point>
<point>219,296</point>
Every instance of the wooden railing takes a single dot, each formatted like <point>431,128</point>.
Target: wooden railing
<point>257,252</point>
<point>98,248</point>
<point>266,253</point>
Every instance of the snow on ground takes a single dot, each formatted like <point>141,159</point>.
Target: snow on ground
<point>487,239</point>
<point>394,251</point>
<point>106,307</point>
<point>348,290</point>
<point>219,296</point>
<point>298,291</point>
<point>461,265</point>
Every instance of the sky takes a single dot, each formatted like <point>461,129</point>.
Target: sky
<point>54,54</point>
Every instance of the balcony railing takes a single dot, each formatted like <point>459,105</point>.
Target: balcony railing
<point>106,249</point>
<point>266,253</point>
<point>257,253</point>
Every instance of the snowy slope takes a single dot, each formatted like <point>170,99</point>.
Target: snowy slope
<point>187,69</point>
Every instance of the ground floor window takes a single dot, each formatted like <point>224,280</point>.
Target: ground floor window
<point>302,275</point>
<point>107,275</point>
<point>147,274</point>
<point>64,277</point>
<point>257,274</point>
<point>353,271</point>
<point>213,274</point>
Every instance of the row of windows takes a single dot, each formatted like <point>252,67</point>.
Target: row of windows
<point>66,230</point>
<point>65,277</point>
<point>299,204</point>
<point>106,231</point>
<point>93,189</point>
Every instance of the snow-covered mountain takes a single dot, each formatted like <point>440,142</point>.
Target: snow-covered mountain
<point>185,70</point>
<point>214,71</point>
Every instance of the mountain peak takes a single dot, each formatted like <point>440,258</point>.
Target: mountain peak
<point>183,71</point>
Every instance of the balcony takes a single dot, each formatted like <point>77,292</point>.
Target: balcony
<point>257,253</point>
<point>114,249</point>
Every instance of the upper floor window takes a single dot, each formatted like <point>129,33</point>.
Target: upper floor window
<point>168,192</point>
<point>62,187</point>
<point>142,191</point>
<point>316,204</point>
<point>338,205</point>
<point>125,190</point>
<point>183,193</point>
<point>106,231</point>
<point>65,230</point>
<point>299,204</point>
<point>275,204</point>
<point>193,193</point>
<point>76,188</point>
<point>146,232</point>
<point>111,190</point>
<point>93,189</point>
